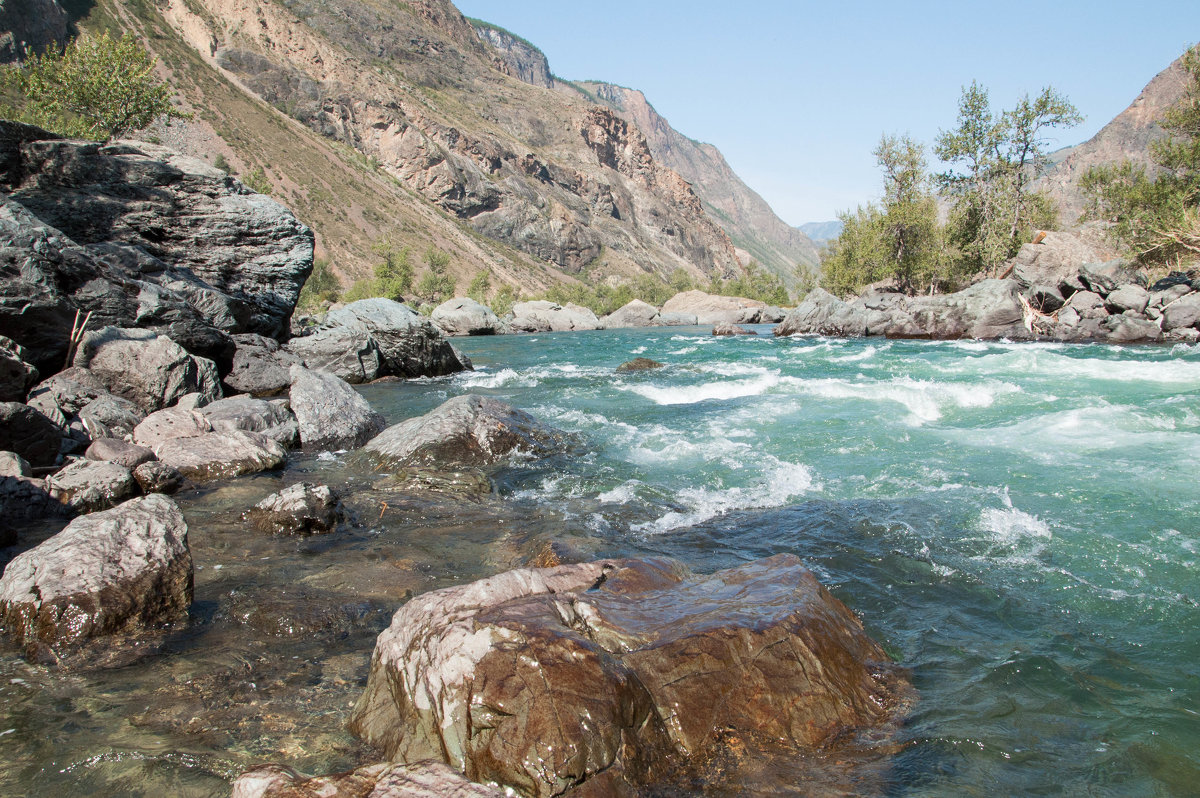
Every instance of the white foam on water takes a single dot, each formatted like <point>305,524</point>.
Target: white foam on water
<point>501,379</point>
<point>1013,536</point>
<point>1039,361</point>
<point>691,394</point>
<point>622,494</point>
<point>925,401</point>
<point>782,482</point>
<point>687,350</point>
<point>866,354</point>
<point>668,447</point>
<point>637,350</point>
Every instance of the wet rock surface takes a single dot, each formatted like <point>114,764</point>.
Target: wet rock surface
<point>112,572</point>
<point>616,673</point>
<point>731,329</point>
<point>216,455</point>
<point>466,430</point>
<point>302,509</point>
<point>639,364</point>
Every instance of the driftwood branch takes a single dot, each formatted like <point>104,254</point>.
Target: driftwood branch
<point>76,337</point>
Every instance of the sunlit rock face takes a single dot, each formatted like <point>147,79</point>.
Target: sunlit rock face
<point>607,676</point>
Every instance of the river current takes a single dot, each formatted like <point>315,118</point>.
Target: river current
<point>1018,524</point>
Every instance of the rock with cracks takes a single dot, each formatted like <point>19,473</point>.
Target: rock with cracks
<point>114,572</point>
<point>606,676</point>
<point>330,414</point>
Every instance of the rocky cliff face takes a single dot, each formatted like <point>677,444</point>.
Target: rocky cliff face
<point>30,26</point>
<point>413,87</point>
<point>740,211</point>
<point>1127,137</point>
<point>515,56</point>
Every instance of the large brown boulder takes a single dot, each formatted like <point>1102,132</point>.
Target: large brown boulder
<point>606,676</point>
<point>117,571</point>
<point>420,780</point>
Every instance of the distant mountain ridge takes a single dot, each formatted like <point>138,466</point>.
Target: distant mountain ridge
<point>820,232</point>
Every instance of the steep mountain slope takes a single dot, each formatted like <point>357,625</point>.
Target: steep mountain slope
<point>412,87</point>
<point>742,213</point>
<point>1126,137</point>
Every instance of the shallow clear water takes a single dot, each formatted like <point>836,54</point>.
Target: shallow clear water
<point>1018,523</point>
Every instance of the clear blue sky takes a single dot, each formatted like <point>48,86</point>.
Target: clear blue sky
<point>796,94</point>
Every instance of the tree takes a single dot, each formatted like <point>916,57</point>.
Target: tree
<point>994,160</point>
<point>98,87</point>
<point>393,276</point>
<point>435,285</point>
<point>321,287</point>
<point>481,283</point>
<point>899,240</point>
<point>1157,216</point>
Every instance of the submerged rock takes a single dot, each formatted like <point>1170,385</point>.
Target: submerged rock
<point>731,329</point>
<point>113,572</point>
<point>466,430</point>
<point>639,364</point>
<point>606,676</point>
<point>302,509</point>
<point>330,414</point>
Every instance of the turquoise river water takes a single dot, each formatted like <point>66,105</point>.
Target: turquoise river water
<point>1018,524</point>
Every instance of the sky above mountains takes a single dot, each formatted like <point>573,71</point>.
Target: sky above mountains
<point>797,94</point>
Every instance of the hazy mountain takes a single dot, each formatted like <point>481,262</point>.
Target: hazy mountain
<point>821,232</point>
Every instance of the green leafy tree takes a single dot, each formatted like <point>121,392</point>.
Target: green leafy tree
<point>435,285</point>
<point>899,239</point>
<point>98,87</point>
<point>1157,216</point>
<point>394,274</point>
<point>504,300</point>
<point>994,159</point>
<point>480,285</point>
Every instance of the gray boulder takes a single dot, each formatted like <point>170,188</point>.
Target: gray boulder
<point>269,417</point>
<point>409,345</point>
<point>1088,304</point>
<point>345,352</point>
<point>330,414</point>
<point>1128,297</point>
<point>110,416</point>
<point>14,465</point>
<point>634,314</point>
<point>599,677</point>
<point>812,315</point>
<point>217,455</point>
<point>544,316</point>
<point>113,572</point>
<point>301,509</point>
<point>17,377</point>
<point>260,367</point>
<point>1128,329</point>
<point>86,486</point>
<point>677,320</point>
<point>165,425</point>
<point>150,370</point>
<point>639,364</point>
<point>466,430</point>
<point>68,391</point>
<point>115,450</point>
<point>714,309</point>
<point>465,316</point>
<point>30,434</point>
<point>1182,312</point>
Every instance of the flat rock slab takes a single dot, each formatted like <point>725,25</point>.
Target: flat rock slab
<point>467,430</point>
<point>216,455</point>
<point>604,677</point>
<point>118,571</point>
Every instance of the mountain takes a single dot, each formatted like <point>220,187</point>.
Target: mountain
<point>402,123</point>
<point>739,210</point>
<point>820,232</point>
<point>1126,137</point>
